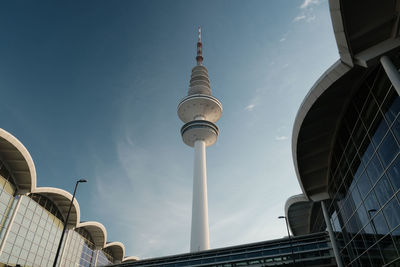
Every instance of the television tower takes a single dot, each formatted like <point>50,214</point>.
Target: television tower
<point>199,110</point>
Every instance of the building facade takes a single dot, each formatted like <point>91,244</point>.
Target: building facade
<point>309,250</point>
<point>346,140</point>
<point>32,219</point>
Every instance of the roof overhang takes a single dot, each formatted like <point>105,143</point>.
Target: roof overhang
<point>359,25</point>
<point>130,258</point>
<point>62,199</point>
<point>298,212</point>
<point>18,160</point>
<point>117,249</point>
<point>97,231</point>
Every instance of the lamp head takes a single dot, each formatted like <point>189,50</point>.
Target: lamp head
<point>82,181</point>
<point>281,217</point>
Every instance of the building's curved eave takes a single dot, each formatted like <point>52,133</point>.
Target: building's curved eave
<point>62,199</point>
<point>117,248</point>
<point>97,231</point>
<point>19,161</point>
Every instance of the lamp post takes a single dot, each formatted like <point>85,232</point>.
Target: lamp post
<point>66,221</point>
<point>290,239</point>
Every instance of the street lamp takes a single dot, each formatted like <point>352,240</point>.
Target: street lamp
<point>290,239</point>
<point>66,221</point>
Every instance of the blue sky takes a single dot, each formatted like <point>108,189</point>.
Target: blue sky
<point>91,89</point>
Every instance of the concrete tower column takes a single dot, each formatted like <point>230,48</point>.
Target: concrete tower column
<point>200,234</point>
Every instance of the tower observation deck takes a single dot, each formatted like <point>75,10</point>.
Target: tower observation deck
<point>199,110</point>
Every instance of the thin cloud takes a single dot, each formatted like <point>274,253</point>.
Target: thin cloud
<point>250,107</point>
<point>308,3</point>
<point>299,18</point>
<point>282,39</point>
<point>281,138</point>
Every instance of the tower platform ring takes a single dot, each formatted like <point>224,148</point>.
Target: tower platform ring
<point>206,106</point>
<point>199,130</point>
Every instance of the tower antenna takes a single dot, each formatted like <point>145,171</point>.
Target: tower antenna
<point>199,57</point>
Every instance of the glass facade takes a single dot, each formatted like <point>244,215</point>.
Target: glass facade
<point>7,201</point>
<point>34,234</point>
<point>80,250</point>
<point>104,257</point>
<point>365,175</point>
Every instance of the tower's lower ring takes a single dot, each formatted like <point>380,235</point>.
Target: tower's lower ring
<point>199,130</point>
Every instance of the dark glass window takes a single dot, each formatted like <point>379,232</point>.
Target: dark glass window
<point>374,169</point>
<point>383,190</point>
<point>363,184</point>
<point>388,149</point>
<point>392,213</point>
<point>394,174</point>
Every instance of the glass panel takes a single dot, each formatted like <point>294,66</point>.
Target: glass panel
<point>383,190</point>
<point>374,169</point>
<point>388,149</point>
<point>394,173</point>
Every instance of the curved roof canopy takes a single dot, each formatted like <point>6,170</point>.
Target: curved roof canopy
<point>298,211</point>
<point>62,199</point>
<point>19,162</point>
<point>97,231</point>
<point>117,249</point>
<point>364,30</point>
<point>130,258</point>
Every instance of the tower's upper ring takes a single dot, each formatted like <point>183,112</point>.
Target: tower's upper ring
<point>199,130</point>
<point>205,106</point>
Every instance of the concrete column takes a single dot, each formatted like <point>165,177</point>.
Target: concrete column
<point>97,256</point>
<point>392,72</point>
<point>200,234</point>
<point>10,223</point>
<point>65,245</point>
<point>331,235</point>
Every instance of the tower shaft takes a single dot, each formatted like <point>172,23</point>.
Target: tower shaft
<point>199,110</point>
<point>199,239</point>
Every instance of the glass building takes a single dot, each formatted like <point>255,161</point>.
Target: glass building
<point>32,219</point>
<point>309,250</point>
<point>346,140</point>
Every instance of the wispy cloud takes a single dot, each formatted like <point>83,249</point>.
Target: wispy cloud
<point>250,107</point>
<point>308,3</point>
<point>281,138</point>
<point>300,17</point>
<point>282,39</point>
<point>307,11</point>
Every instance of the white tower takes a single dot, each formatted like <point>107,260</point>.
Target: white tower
<point>199,111</point>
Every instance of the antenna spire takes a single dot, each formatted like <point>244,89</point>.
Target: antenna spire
<point>199,57</point>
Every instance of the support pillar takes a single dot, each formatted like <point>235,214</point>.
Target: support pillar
<point>10,224</point>
<point>392,72</point>
<point>331,235</point>
<point>200,233</point>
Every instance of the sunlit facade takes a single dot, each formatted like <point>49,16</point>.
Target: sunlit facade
<point>32,219</point>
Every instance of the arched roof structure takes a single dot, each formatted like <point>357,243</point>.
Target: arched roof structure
<point>117,249</point>
<point>364,30</point>
<point>19,162</point>
<point>97,231</point>
<point>62,200</point>
<point>298,211</point>
<point>130,258</point>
